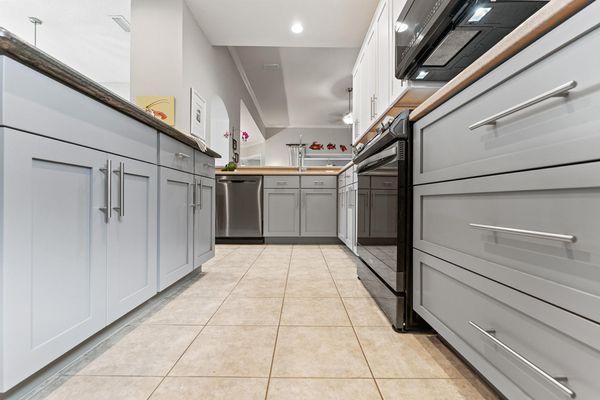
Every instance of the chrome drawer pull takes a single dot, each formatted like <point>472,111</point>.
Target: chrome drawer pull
<point>562,90</point>
<point>522,232</point>
<point>557,382</point>
<point>282,182</point>
<point>108,193</point>
<point>181,156</point>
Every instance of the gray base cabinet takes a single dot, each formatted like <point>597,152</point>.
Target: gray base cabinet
<point>319,214</point>
<point>132,236</point>
<point>204,220</point>
<point>281,212</point>
<point>176,234</point>
<point>70,249</point>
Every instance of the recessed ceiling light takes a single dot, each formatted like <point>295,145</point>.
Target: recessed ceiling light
<point>297,27</point>
<point>400,26</point>
<point>479,14</point>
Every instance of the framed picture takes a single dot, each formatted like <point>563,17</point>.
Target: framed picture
<point>197,115</point>
<point>235,143</point>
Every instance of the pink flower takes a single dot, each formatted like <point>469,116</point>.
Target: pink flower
<point>245,136</point>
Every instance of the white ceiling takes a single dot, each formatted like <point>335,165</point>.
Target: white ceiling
<point>309,89</point>
<point>77,32</point>
<point>327,23</point>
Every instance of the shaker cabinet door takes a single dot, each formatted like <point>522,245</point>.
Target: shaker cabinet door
<point>176,235</point>
<point>282,212</point>
<point>318,217</point>
<point>132,236</point>
<point>204,220</point>
<point>54,250</point>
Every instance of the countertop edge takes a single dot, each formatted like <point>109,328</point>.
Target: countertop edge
<point>547,18</point>
<point>15,48</point>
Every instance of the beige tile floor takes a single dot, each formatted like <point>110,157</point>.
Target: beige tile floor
<point>268,322</point>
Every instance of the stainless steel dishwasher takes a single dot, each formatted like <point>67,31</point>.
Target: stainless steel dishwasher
<point>239,207</point>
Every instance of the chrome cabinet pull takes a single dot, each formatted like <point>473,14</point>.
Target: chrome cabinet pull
<point>560,91</point>
<point>121,173</point>
<point>522,232</point>
<point>182,156</point>
<point>281,182</point>
<point>555,381</point>
<point>108,208</point>
<point>195,194</point>
<point>200,200</point>
<point>319,183</point>
<point>374,106</point>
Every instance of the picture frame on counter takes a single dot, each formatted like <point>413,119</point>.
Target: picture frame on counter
<point>197,115</point>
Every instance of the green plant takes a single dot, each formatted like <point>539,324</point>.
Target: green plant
<point>231,166</point>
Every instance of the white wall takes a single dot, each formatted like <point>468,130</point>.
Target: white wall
<point>255,146</point>
<point>170,54</point>
<point>276,152</point>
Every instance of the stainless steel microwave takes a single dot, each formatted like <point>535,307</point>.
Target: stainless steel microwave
<point>436,39</point>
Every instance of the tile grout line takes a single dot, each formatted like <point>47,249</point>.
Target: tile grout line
<point>205,325</point>
<point>287,275</point>
<point>352,325</point>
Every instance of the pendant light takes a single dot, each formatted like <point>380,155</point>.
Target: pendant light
<point>348,118</point>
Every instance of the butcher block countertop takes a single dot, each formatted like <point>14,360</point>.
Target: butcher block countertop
<point>19,50</point>
<point>548,17</point>
<point>281,171</point>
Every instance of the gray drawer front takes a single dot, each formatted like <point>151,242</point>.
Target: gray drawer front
<point>556,131</point>
<point>318,182</point>
<point>282,182</point>
<point>449,297</point>
<point>203,164</point>
<point>349,175</point>
<point>364,182</point>
<point>49,108</point>
<point>549,200</point>
<point>341,179</point>
<point>384,182</point>
<point>176,155</point>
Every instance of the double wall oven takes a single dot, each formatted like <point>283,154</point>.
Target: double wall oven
<point>384,228</point>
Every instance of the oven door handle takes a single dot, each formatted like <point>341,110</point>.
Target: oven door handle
<point>384,157</point>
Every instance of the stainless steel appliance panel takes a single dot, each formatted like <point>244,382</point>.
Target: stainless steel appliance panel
<point>239,206</point>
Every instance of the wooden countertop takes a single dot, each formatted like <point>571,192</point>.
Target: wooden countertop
<point>19,50</point>
<point>281,171</point>
<point>544,20</point>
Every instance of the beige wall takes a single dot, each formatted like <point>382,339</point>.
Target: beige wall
<point>170,54</point>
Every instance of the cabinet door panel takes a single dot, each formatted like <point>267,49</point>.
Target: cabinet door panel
<point>341,201</point>
<point>384,75</point>
<point>204,221</point>
<point>132,237</point>
<point>351,216</point>
<point>176,226</point>
<point>318,217</point>
<point>54,248</point>
<point>282,212</point>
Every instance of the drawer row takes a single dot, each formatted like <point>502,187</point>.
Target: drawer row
<point>525,347</point>
<point>296,182</point>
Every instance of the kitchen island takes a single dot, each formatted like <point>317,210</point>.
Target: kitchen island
<point>103,206</point>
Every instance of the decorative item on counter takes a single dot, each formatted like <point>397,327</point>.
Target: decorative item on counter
<point>231,166</point>
<point>330,146</point>
<point>234,144</point>
<point>245,136</point>
<point>343,148</point>
<point>316,146</point>
<point>160,107</point>
<point>197,115</point>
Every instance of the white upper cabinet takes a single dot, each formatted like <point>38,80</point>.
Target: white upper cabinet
<point>383,72</point>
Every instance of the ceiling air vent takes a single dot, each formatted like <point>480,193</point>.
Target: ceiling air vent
<point>271,67</point>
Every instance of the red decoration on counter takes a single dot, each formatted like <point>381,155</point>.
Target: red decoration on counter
<point>330,146</point>
<point>343,148</point>
<point>316,146</point>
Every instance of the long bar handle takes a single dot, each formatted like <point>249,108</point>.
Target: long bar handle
<point>561,90</point>
<point>121,173</point>
<point>556,382</point>
<point>523,232</point>
<point>200,203</point>
<point>108,209</point>
<point>181,156</point>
